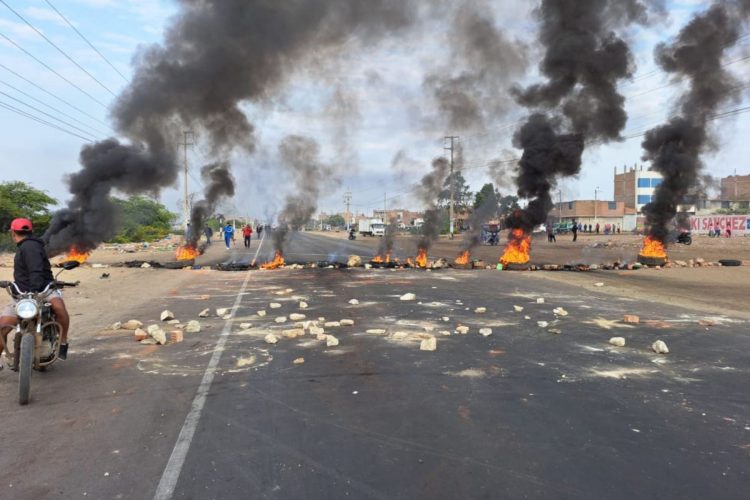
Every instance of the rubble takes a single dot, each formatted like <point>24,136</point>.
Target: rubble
<point>117,325</point>
<point>193,326</point>
<point>159,336</point>
<point>543,324</point>
<point>175,336</point>
<point>408,296</point>
<point>428,344</point>
<point>149,341</point>
<point>555,331</point>
<point>463,330</point>
<point>480,310</point>
<point>631,318</point>
<point>204,313</point>
<point>617,341</point>
<point>440,263</point>
<point>354,261</point>
<point>446,319</point>
<point>518,309</point>
<point>274,305</point>
<point>332,324</point>
<point>222,311</point>
<point>293,333</point>
<point>132,324</point>
<point>280,319</point>
<point>347,322</point>
<point>261,313</point>
<point>602,284</point>
<point>354,302</point>
<point>297,317</point>
<point>331,341</point>
<point>271,338</point>
<point>145,265</point>
<point>299,361</point>
<point>444,332</point>
<point>303,305</point>
<point>540,300</point>
<point>316,330</point>
<point>173,322</point>
<point>166,315</point>
<point>140,334</point>
<point>246,326</point>
<point>706,322</point>
<point>227,316</point>
<point>375,331</point>
<point>560,311</point>
<point>659,347</point>
<point>485,332</point>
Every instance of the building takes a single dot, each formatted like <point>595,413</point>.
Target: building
<point>595,211</point>
<point>404,218</point>
<point>735,188</point>
<point>635,187</point>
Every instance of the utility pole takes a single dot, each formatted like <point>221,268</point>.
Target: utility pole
<point>559,207</point>
<point>187,140</point>
<point>385,207</point>
<point>348,203</point>
<point>596,192</point>
<point>453,183</point>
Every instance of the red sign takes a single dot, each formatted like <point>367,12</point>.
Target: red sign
<point>739,224</point>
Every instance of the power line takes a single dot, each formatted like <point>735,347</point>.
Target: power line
<point>52,70</point>
<point>86,40</point>
<point>40,120</point>
<point>30,82</point>
<point>57,47</point>
<point>45,113</point>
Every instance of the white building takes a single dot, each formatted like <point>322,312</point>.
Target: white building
<point>635,187</point>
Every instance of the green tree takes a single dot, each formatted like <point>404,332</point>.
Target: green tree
<point>462,195</point>
<point>508,204</point>
<point>336,221</point>
<point>488,193</point>
<point>142,219</point>
<point>18,199</point>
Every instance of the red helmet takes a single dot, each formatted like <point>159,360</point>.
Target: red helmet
<point>21,225</point>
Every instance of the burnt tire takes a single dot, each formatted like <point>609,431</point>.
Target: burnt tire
<point>25,364</point>
<point>651,261</point>
<point>730,262</point>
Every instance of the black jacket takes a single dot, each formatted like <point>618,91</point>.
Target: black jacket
<point>31,269</point>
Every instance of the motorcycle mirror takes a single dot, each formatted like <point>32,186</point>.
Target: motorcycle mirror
<point>71,264</point>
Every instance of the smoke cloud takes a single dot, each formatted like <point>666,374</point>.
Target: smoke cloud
<point>675,147</point>
<point>219,183</point>
<point>428,191</point>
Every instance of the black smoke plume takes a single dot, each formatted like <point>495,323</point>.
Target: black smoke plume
<point>428,191</point>
<point>481,214</point>
<point>219,183</point>
<point>675,148</point>
<point>216,55</point>
<point>584,60</point>
<point>385,247</point>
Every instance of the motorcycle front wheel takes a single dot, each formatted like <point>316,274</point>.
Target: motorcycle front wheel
<point>25,364</point>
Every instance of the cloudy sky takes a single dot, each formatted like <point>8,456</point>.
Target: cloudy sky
<point>372,109</point>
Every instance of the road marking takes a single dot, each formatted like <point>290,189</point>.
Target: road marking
<point>260,244</point>
<point>172,471</point>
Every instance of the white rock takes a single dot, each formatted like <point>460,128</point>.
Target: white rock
<point>354,261</point>
<point>542,324</point>
<point>222,311</point>
<point>132,324</point>
<point>261,313</point>
<point>480,310</point>
<point>540,300</point>
<point>428,344</point>
<point>166,315</point>
<point>117,325</point>
<point>271,338</point>
<point>173,322</point>
<point>659,347</point>
<point>560,311</point>
<point>331,341</point>
<point>274,305</point>
<point>193,326</point>
<point>518,309</point>
<point>375,331</point>
<point>446,319</point>
<point>227,316</point>
<point>145,265</point>
<point>354,302</point>
<point>316,330</point>
<point>332,324</point>
<point>445,332</point>
<point>152,328</point>
<point>303,305</point>
<point>599,284</point>
<point>280,319</point>
<point>297,317</point>
<point>159,336</point>
<point>149,341</point>
<point>299,361</point>
<point>463,330</point>
<point>246,326</point>
<point>347,322</point>
<point>485,332</point>
<point>368,266</point>
<point>204,313</point>
<point>293,333</point>
<point>617,341</point>
<point>321,319</point>
<point>555,331</point>
<point>408,296</point>
<point>527,317</point>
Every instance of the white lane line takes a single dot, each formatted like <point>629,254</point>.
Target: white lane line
<point>260,244</point>
<point>172,471</point>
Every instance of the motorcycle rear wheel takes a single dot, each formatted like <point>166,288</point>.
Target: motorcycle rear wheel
<point>26,363</point>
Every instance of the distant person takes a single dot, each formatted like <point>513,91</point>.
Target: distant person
<point>259,229</point>
<point>209,233</point>
<point>597,228</point>
<point>188,233</point>
<point>247,233</point>
<point>729,233</point>
<point>575,231</point>
<point>580,227</point>
<point>618,229</point>
<point>551,234</point>
<point>228,233</point>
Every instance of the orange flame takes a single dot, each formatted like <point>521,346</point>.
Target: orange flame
<point>186,252</point>
<point>378,259</point>
<point>653,248</point>
<point>518,248</point>
<point>463,259</point>
<point>76,255</point>
<point>409,262</point>
<point>277,262</point>
<point>388,257</point>
<point>421,258</point>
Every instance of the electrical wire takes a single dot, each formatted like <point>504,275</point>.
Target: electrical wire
<point>57,47</point>
<point>40,120</point>
<point>45,113</point>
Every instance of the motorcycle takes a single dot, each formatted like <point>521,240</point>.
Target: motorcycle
<point>352,236</point>
<point>685,237</point>
<point>493,239</point>
<point>35,340</point>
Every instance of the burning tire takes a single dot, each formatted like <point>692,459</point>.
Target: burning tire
<point>652,261</point>
<point>730,262</point>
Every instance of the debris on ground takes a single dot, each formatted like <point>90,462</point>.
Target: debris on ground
<point>332,324</point>
<point>599,284</point>
<point>149,341</point>
<point>540,300</point>
<point>261,313</point>
<point>175,336</point>
<point>480,310</point>
<point>145,265</point>
<point>280,319</point>
<point>428,344</point>
<point>316,330</point>
<point>617,341</point>
<point>331,341</point>
<point>445,332</point>
<point>166,315</point>
<point>354,302</point>
<point>222,311</point>
<point>518,309</point>
<point>298,361</point>
<point>354,261</point>
<point>543,324</point>
<point>347,322</point>
<point>246,326</point>
<point>660,347</point>
<point>193,326</point>
<point>297,317</point>
<point>408,296</point>
<point>560,311</point>
<point>204,313</point>
<point>463,330</point>
<point>140,334</point>
<point>158,335</point>
<point>293,333</point>
<point>631,318</point>
<point>375,331</point>
<point>446,319</point>
<point>303,305</point>
<point>555,331</point>
<point>274,305</point>
<point>706,322</point>
<point>117,325</point>
<point>227,316</point>
<point>132,324</point>
<point>173,322</point>
<point>271,338</point>
<point>485,332</point>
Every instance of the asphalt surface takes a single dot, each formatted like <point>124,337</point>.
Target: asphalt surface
<point>524,412</point>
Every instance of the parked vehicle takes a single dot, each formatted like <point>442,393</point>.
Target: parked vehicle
<point>35,342</point>
<point>371,227</point>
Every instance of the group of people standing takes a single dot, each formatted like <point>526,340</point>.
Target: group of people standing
<point>585,228</point>
<point>227,232</point>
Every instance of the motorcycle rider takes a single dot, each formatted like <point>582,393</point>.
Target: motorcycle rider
<point>32,273</point>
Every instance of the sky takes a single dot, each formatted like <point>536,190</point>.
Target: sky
<point>369,109</point>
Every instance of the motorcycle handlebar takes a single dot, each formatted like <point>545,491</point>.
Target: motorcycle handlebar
<point>5,284</point>
<point>66,283</point>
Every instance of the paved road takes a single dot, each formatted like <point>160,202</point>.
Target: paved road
<point>522,413</point>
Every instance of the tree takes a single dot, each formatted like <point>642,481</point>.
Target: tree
<point>336,221</point>
<point>18,199</point>
<point>508,204</point>
<point>487,193</point>
<point>142,219</point>
<point>462,195</point>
